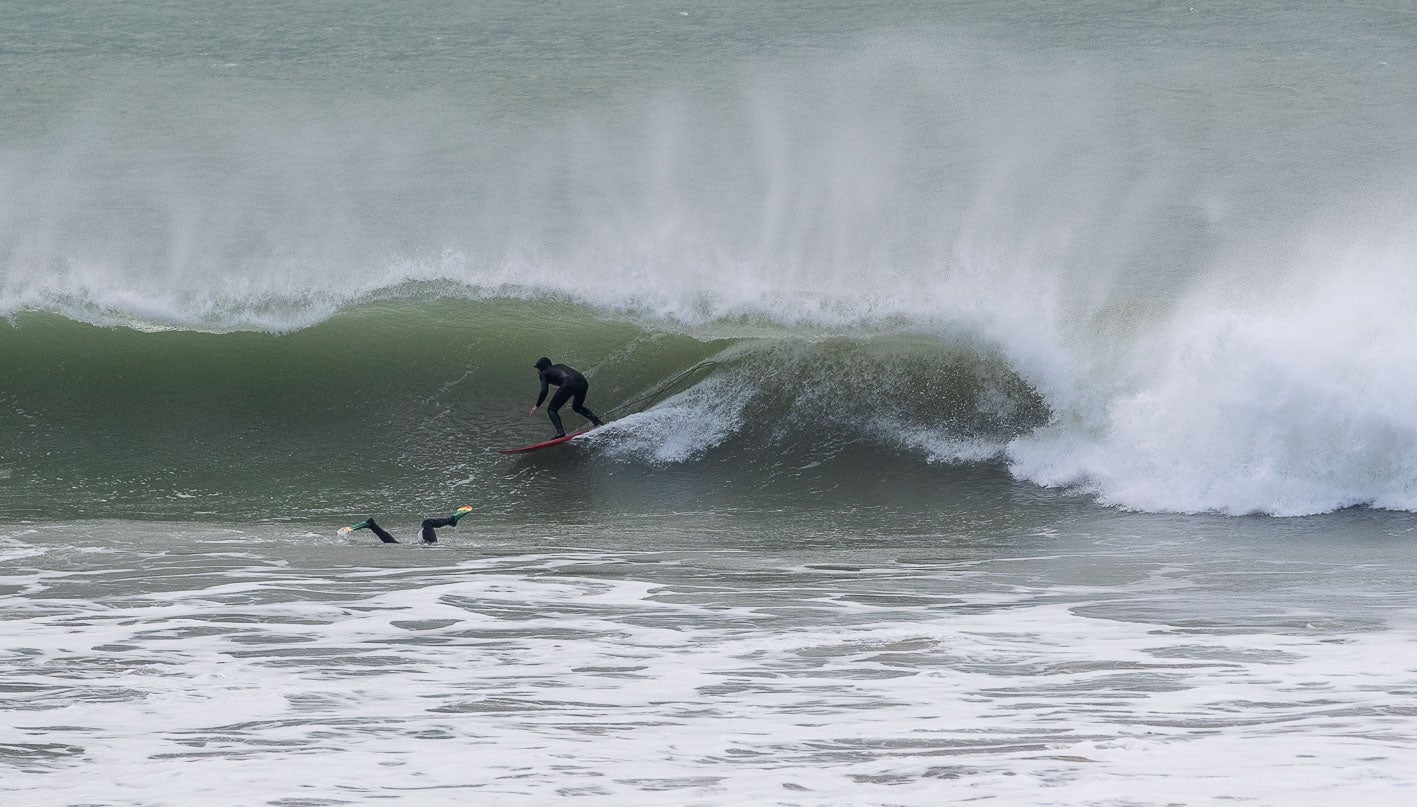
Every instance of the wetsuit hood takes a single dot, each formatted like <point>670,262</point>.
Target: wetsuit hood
<point>542,363</point>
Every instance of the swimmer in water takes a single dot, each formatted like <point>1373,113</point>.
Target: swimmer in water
<point>428,531</point>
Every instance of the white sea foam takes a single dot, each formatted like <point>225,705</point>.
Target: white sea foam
<point>943,447</point>
<point>620,678</point>
<point>680,428</point>
<point>1288,401</point>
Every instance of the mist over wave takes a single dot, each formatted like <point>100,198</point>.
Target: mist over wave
<point>1199,288</point>
<point>1298,403</point>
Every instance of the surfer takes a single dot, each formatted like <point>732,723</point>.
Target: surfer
<point>570,385</point>
<point>428,532</point>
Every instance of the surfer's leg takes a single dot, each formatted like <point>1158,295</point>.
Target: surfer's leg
<point>379,532</point>
<point>557,401</point>
<point>578,404</point>
<point>428,531</point>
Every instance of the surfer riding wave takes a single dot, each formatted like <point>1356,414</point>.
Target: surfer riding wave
<point>570,385</point>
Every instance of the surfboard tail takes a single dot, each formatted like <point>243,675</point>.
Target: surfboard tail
<point>538,446</point>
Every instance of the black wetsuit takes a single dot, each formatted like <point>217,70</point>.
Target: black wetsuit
<point>572,386</point>
<point>426,532</point>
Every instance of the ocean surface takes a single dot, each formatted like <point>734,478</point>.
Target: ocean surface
<point>1013,403</point>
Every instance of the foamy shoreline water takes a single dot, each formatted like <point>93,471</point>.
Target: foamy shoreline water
<point>234,666</point>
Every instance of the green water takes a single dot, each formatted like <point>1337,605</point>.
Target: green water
<point>396,407</point>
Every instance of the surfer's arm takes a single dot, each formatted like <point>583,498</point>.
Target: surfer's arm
<point>542,397</point>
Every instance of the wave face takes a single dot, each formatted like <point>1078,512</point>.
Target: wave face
<point>394,407</point>
<point>1173,269</point>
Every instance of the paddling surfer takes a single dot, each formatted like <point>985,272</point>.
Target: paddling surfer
<point>428,531</point>
<point>570,385</point>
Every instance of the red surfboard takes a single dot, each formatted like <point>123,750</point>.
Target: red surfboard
<point>555,441</point>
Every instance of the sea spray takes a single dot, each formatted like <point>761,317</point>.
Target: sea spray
<point>1088,225</point>
<point>1290,402</point>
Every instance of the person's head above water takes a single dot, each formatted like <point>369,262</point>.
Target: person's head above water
<point>542,363</point>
